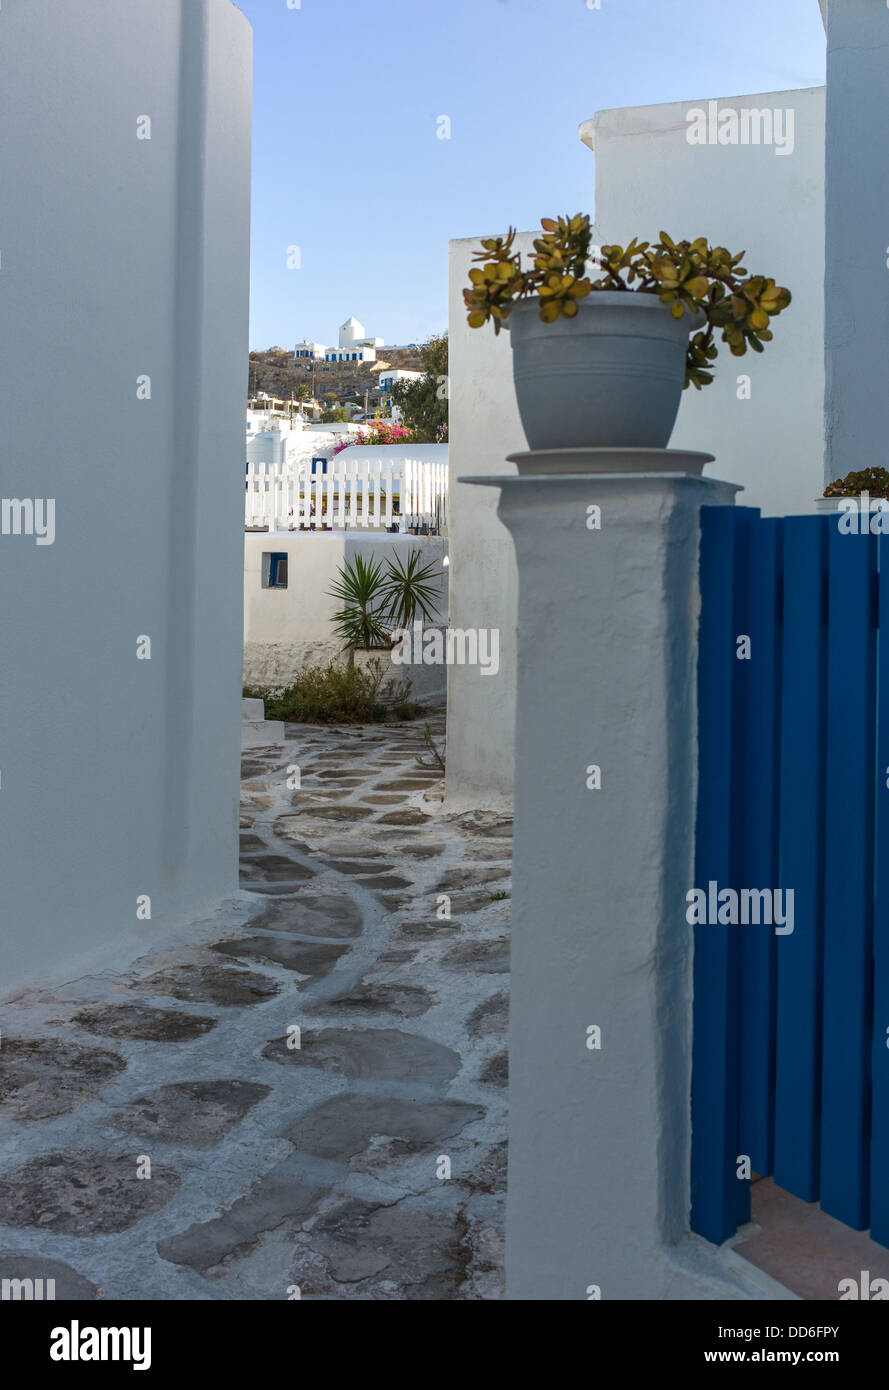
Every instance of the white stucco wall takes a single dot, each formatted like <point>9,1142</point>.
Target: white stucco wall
<point>122,258</point>
<point>292,446</point>
<point>857,285</point>
<point>647,177</point>
<point>747,198</point>
<point>288,629</point>
<point>271,446</point>
<point>484,427</point>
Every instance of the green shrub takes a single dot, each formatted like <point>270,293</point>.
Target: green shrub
<point>329,694</point>
<point>406,709</point>
<point>335,694</point>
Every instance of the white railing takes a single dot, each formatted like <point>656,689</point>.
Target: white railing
<point>351,493</point>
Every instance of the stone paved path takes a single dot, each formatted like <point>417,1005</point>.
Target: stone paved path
<point>316,1079</point>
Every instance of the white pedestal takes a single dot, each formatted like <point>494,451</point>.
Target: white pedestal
<point>599,1141</point>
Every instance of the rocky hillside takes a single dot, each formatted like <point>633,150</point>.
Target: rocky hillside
<point>276,372</point>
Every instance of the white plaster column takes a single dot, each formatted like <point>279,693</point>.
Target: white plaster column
<point>598,1185</point>
<point>856,285</point>
<point>124,266</point>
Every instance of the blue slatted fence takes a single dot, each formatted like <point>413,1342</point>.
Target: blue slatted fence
<point>790,1063</point>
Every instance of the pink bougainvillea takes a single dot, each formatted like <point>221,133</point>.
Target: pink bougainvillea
<point>382,432</point>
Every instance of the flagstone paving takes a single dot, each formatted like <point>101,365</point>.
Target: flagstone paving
<point>304,1097</point>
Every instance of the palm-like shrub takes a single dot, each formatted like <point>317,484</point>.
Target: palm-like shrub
<point>360,623</point>
<point>376,600</point>
<point>407,590</point>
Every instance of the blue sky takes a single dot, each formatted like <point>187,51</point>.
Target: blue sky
<point>348,167</point>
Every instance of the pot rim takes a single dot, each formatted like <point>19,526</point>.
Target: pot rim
<point>611,299</point>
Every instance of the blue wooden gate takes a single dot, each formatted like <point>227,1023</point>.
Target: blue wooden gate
<point>791,1030</point>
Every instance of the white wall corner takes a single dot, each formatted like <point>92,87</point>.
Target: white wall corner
<point>823,4</point>
<point>587,132</point>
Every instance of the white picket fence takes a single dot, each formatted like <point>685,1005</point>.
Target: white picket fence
<point>351,493</point>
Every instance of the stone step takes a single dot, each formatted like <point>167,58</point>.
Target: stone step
<point>261,733</point>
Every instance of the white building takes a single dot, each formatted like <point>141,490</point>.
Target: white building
<point>391,375</point>
<point>763,417</point>
<point>359,352</point>
<point>289,610</point>
<point>272,441</point>
<point>389,378</point>
<point>308,351</point>
<point>648,176</point>
<point>263,410</point>
<point>352,334</point>
<point>354,346</point>
<point>274,427</point>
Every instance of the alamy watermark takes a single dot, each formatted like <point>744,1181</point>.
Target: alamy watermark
<point>452,646</point>
<point>859,516</point>
<point>27,1290</point>
<point>76,1343</point>
<point>751,125</point>
<point>864,1287</point>
<point>29,516</point>
<point>749,907</point>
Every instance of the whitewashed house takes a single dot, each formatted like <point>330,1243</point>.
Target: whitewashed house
<point>354,345</point>
<point>389,377</point>
<point>352,334</point>
<point>288,610</point>
<point>648,176</point>
<point>308,351</point>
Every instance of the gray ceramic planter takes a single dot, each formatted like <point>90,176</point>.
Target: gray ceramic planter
<point>613,375</point>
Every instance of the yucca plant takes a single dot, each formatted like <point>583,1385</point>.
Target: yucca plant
<point>407,590</point>
<point>361,622</point>
<point>376,600</point>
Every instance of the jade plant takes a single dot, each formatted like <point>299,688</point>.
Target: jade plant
<point>690,276</point>
<point>874,481</point>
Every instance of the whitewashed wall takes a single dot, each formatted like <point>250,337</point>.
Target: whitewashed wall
<point>484,427</point>
<point>122,258</point>
<point>749,198</point>
<point>647,177</point>
<point>276,444</point>
<point>288,629</point>
<point>857,285</point>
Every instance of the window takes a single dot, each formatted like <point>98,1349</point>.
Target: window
<point>274,570</point>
